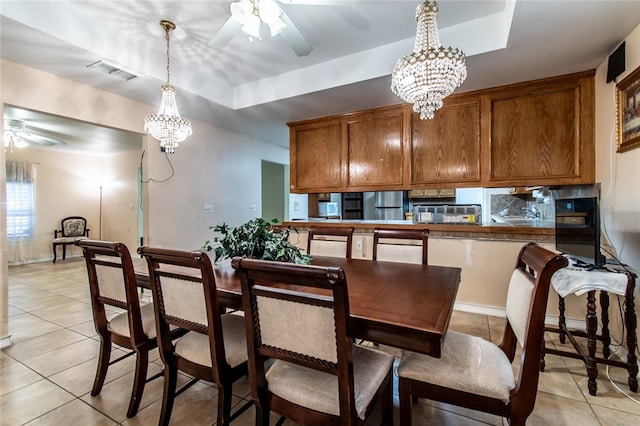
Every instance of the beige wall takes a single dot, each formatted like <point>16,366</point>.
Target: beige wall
<point>619,173</point>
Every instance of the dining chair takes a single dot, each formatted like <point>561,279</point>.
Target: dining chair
<point>401,245</point>
<point>478,374</point>
<point>330,241</point>
<point>215,347</point>
<point>72,229</point>
<point>112,284</point>
<point>303,364</point>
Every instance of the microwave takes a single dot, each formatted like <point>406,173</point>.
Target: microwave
<point>328,209</point>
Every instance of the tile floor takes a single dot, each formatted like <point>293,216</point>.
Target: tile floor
<point>46,376</point>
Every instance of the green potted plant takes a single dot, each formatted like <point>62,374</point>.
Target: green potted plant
<point>255,239</point>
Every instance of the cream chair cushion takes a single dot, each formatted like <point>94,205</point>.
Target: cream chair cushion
<point>519,304</point>
<point>402,253</point>
<point>468,363</point>
<point>329,246</point>
<point>120,323</point>
<point>194,346</point>
<point>319,391</point>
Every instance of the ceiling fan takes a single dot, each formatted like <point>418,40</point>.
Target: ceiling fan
<point>17,136</point>
<point>249,15</point>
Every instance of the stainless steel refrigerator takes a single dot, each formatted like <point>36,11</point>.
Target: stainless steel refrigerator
<point>389,205</point>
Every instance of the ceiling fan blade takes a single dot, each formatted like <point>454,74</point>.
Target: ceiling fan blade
<point>294,37</point>
<point>226,33</point>
<point>43,140</point>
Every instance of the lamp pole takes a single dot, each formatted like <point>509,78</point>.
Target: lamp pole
<point>100,224</point>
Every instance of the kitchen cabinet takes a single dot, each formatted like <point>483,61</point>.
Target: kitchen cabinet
<point>315,154</point>
<point>374,149</point>
<point>526,134</point>
<point>446,149</point>
<point>432,193</point>
<point>540,133</point>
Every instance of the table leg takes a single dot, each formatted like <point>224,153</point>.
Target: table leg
<point>632,341</point>
<point>561,319</point>
<point>606,337</point>
<point>592,328</point>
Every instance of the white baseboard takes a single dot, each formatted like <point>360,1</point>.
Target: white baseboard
<point>502,313</point>
<point>6,342</point>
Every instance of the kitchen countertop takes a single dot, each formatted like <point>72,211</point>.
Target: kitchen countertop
<point>541,231</point>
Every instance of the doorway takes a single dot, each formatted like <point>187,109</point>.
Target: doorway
<point>274,182</point>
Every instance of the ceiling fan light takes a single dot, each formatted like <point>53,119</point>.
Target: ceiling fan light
<point>269,11</point>
<point>252,26</point>
<point>276,27</point>
<point>241,10</point>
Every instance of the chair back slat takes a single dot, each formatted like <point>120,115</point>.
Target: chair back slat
<point>519,303</point>
<point>297,327</point>
<point>401,245</point>
<point>183,300</point>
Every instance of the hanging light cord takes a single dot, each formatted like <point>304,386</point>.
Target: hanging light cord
<point>168,26</point>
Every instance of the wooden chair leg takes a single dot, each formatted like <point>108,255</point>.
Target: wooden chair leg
<point>224,403</point>
<point>103,365</point>
<point>139,380</point>
<point>404,394</point>
<point>387,403</point>
<point>54,253</point>
<point>262,415</point>
<point>169,393</point>
<point>64,251</point>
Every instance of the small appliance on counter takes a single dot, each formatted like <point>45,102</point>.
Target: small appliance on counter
<point>328,210</point>
<point>456,213</point>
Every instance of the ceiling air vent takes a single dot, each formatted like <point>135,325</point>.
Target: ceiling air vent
<point>112,70</point>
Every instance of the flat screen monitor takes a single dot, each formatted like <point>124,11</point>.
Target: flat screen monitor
<point>578,230</point>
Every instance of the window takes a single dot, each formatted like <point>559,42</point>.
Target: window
<point>20,210</point>
<point>20,189</point>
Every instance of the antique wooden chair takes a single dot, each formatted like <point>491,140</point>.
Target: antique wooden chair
<point>112,283</point>
<point>215,348</point>
<point>477,374</point>
<point>401,245</point>
<point>298,317</point>
<point>72,229</point>
<point>330,241</point>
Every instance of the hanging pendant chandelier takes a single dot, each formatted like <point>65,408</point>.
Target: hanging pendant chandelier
<point>167,125</point>
<point>431,72</point>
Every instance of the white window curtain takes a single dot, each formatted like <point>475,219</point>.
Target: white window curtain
<point>21,212</point>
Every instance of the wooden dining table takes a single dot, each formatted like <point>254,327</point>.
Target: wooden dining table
<point>407,306</point>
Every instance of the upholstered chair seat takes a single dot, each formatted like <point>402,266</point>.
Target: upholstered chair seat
<point>195,346</point>
<point>318,391</point>
<point>120,323</point>
<point>468,363</point>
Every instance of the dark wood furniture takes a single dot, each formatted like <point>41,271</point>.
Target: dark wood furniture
<point>590,357</point>
<point>475,373</point>
<point>322,240</point>
<point>314,373</point>
<point>352,205</point>
<point>414,316</point>
<point>401,234</point>
<point>215,347</point>
<point>72,229</point>
<point>113,284</point>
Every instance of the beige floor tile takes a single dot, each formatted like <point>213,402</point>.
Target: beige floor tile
<point>86,328</point>
<point>608,395</point>
<point>612,417</point>
<point>65,357</point>
<point>75,412</point>
<point>42,344</point>
<point>15,376</point>
<point>32,401</point>
<point>556,410</point>
<point>70,307</point>
<point>429,412</point>
<point>26,326</point>
<point>79,379</point>
<point>114,398</point>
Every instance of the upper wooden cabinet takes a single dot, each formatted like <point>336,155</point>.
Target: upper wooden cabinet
<point>315,154</point>
<point>540,133</point>
<point>446,149</point>
<point>374,150</point>
<point>535,133</point>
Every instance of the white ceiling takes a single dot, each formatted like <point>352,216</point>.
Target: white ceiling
<point>257,87</point>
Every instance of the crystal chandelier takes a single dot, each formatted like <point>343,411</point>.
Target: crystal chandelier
<point>250,14</point>
<point>14,132</point>
<point>167,126</point>
<point>431,72</point>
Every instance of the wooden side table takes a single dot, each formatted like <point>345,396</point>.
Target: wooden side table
<point>590,282</point>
